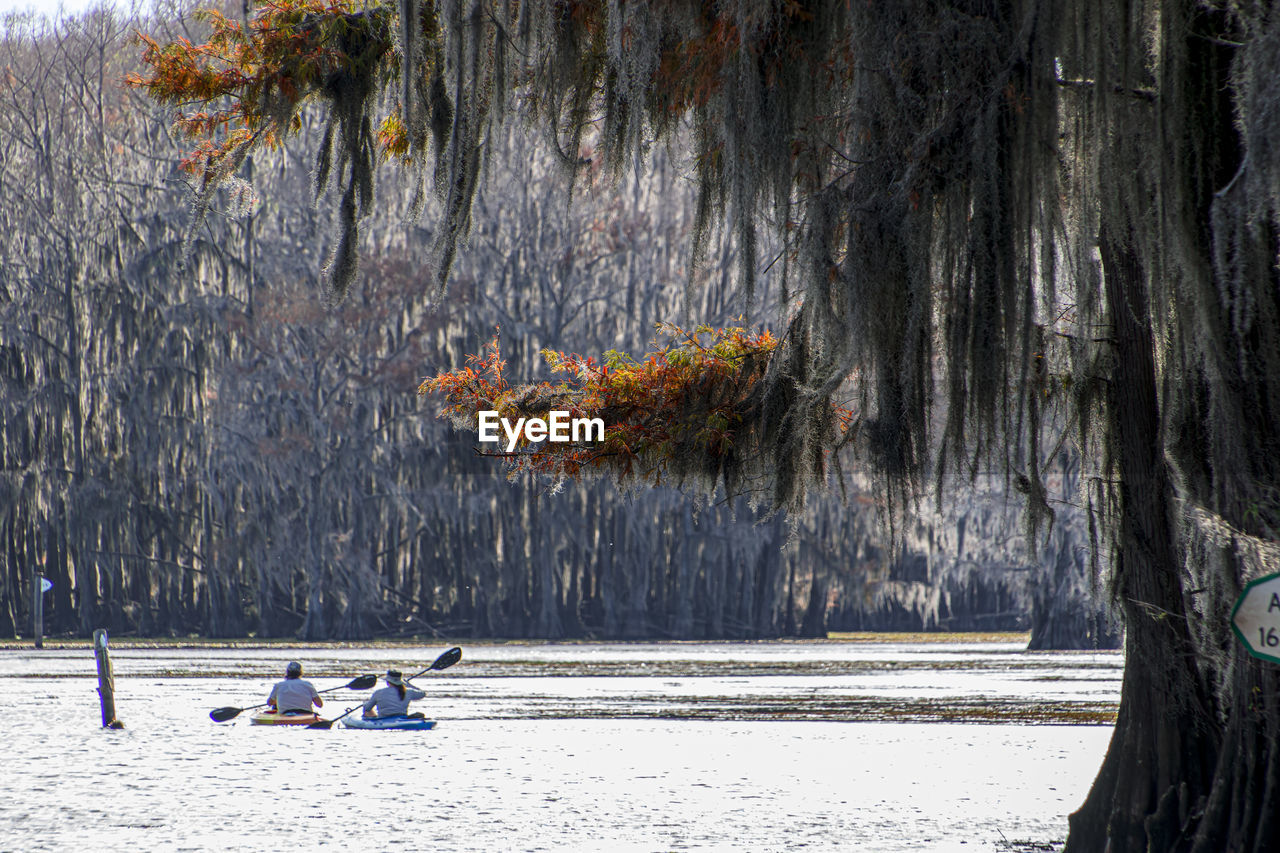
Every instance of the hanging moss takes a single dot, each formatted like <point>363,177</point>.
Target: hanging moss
<point>995,215</point>
<point>259,76</point>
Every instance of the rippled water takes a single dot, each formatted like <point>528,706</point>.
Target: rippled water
<point>565,747</point>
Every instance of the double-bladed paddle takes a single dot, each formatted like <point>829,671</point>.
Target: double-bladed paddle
<point>221,715</point>
<point>445,661</point>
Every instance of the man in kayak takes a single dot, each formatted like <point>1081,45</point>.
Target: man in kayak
<point>392,700</point>
<point>294,695</point>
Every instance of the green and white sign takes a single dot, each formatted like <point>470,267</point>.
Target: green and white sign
<point>1256,618</point>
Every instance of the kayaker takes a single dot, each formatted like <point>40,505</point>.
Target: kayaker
<point>294,695</point>
<point>392,700</point>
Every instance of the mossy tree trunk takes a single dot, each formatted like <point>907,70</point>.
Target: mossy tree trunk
<point>1161,753</point>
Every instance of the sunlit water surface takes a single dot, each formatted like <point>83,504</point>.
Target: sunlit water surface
<point>566,747</point>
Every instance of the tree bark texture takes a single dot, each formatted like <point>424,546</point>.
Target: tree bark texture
<point>1158,765</point>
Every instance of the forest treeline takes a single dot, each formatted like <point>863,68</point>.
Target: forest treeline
<point>212,450</point>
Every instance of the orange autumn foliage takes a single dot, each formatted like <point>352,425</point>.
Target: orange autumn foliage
<point>258,74</point>
<point>247,81</point>
<point>682,408</point>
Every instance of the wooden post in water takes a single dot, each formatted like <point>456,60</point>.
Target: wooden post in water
<point>37,608</point>
<point>106,681</point>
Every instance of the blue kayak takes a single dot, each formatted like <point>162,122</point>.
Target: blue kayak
<point>401,723</point>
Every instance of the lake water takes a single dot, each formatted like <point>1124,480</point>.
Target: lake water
<point>770,746</point>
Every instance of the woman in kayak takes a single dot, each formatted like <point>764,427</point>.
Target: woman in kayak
<point>293,695</point>
<point>392,700</point>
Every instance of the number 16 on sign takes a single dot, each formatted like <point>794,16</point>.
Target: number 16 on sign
<point>1256,618</point>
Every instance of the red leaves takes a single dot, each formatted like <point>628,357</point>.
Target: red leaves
<point>477,386</point>
<point>681,404</point>
<point>259,74</point>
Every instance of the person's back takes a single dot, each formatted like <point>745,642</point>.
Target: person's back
<point>294,694</point>
<point>392,700</point>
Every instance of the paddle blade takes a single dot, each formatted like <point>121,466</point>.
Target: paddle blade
<point>221,715</point>
<point>321,724</point>
<point>364,682</point>
<point>448,659</point>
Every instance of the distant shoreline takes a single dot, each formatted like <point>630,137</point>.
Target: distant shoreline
<point>870,637</point>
